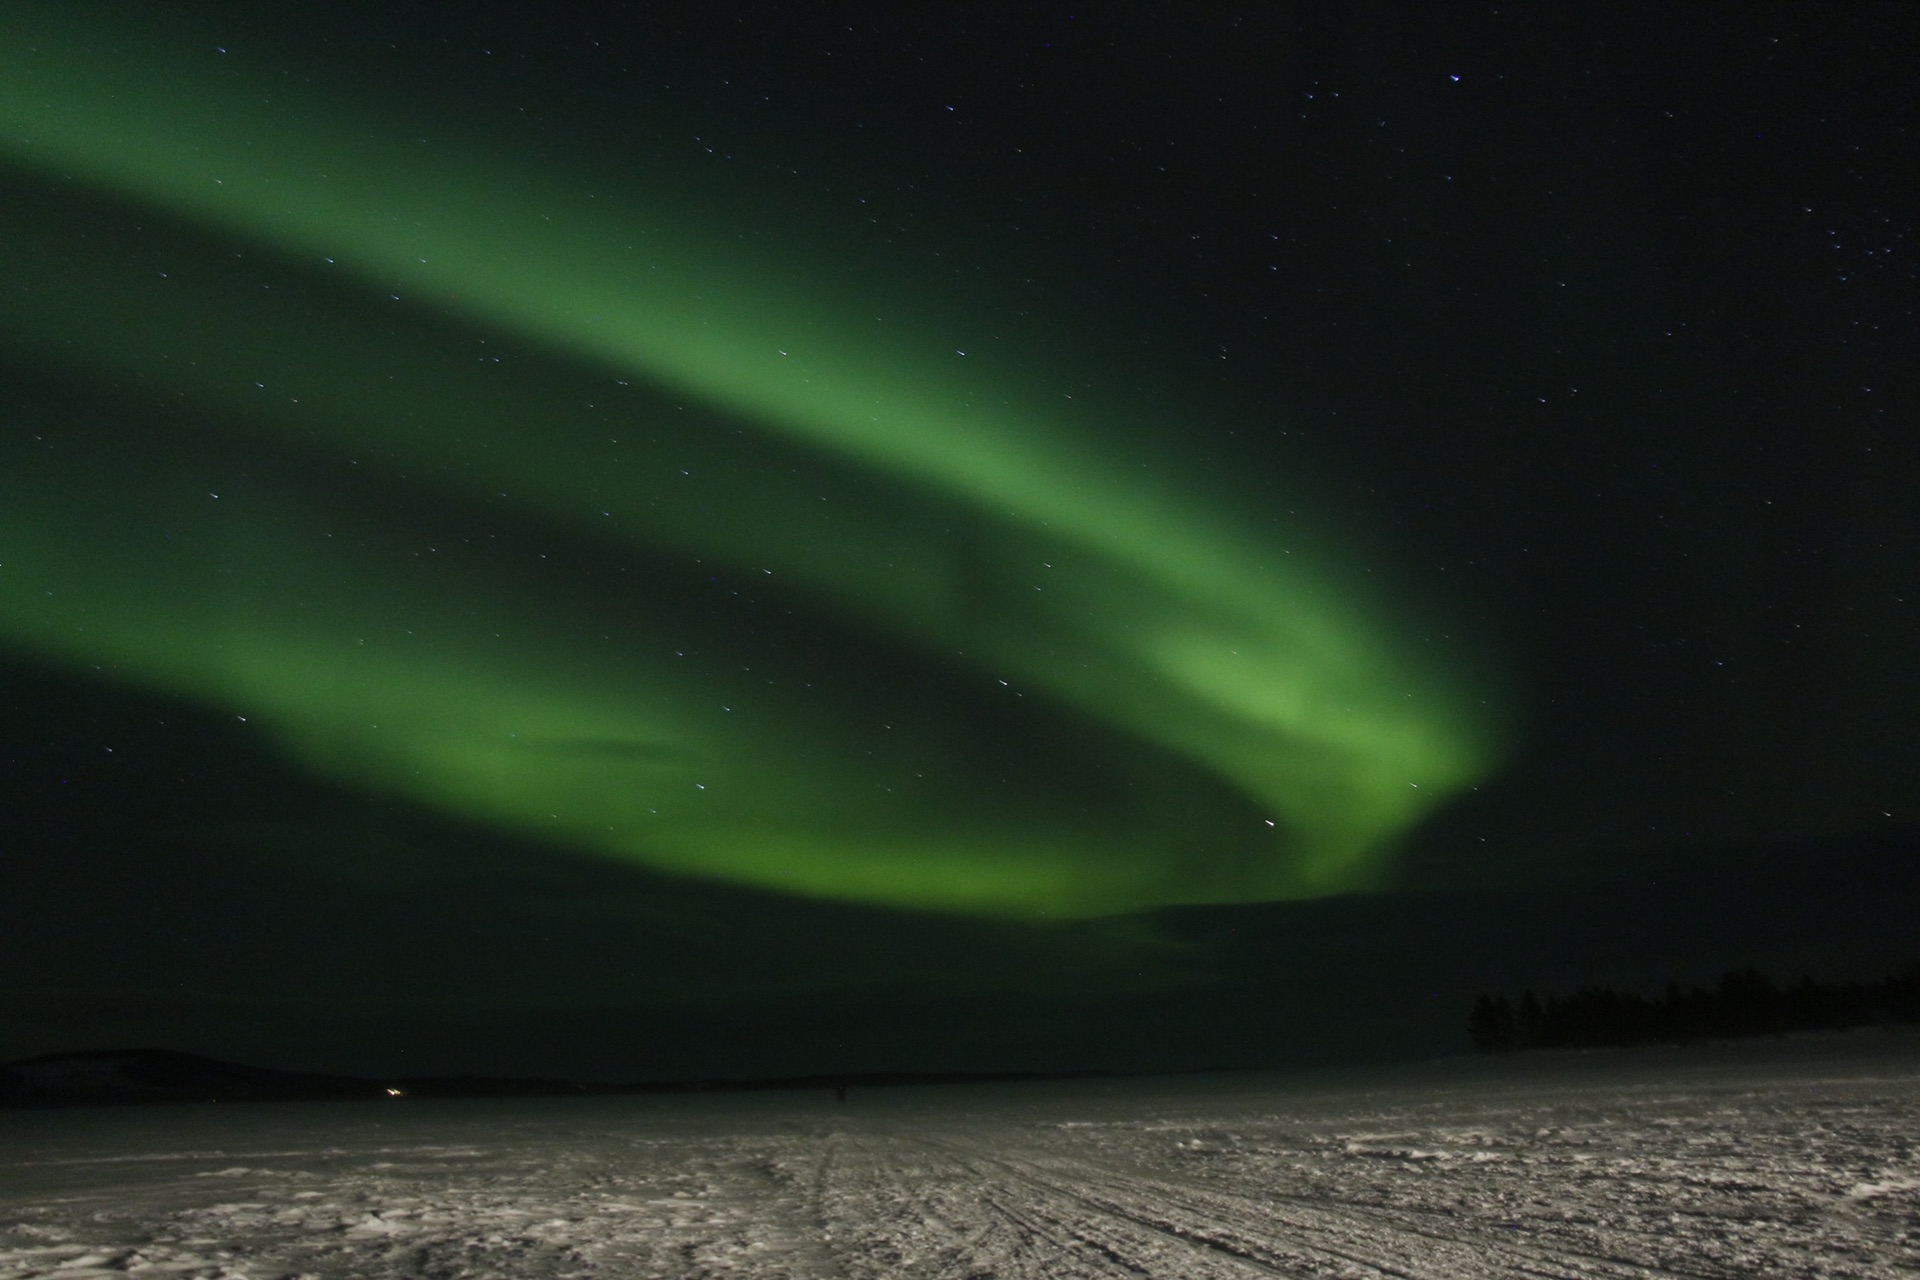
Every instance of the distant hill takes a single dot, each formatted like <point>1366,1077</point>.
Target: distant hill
<point>120,1076</point>
<point>164,1075</point>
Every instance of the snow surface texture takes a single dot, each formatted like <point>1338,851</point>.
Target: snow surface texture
<point>1677,1164</point>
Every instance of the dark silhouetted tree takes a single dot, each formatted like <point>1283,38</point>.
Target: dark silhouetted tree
<point>1490,1025</point>
<point>1746,1003</point>
<point>1530,1021</point>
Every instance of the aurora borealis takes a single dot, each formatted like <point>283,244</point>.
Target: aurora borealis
<point>663,538</point>
<point>872,479</point>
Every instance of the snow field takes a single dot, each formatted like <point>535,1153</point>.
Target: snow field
<point>1634,1169</point>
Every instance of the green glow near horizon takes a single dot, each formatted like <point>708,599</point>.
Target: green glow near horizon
<point>970,522</point>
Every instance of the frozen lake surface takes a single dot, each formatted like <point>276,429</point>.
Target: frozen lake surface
<point>1785,1159</point>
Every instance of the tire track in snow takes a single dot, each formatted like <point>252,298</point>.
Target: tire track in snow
<point>1287,1236</point>
<point>929,1210</point>
<point>1106,1196</point>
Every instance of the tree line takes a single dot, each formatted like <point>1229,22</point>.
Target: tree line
<point>1747,1003</point>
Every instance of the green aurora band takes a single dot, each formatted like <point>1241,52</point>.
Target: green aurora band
<point>1251,729</point>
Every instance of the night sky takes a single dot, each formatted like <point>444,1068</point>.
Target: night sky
<point>634,541</point>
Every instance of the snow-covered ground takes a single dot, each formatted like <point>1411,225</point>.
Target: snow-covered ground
<point>1796,1160</point>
